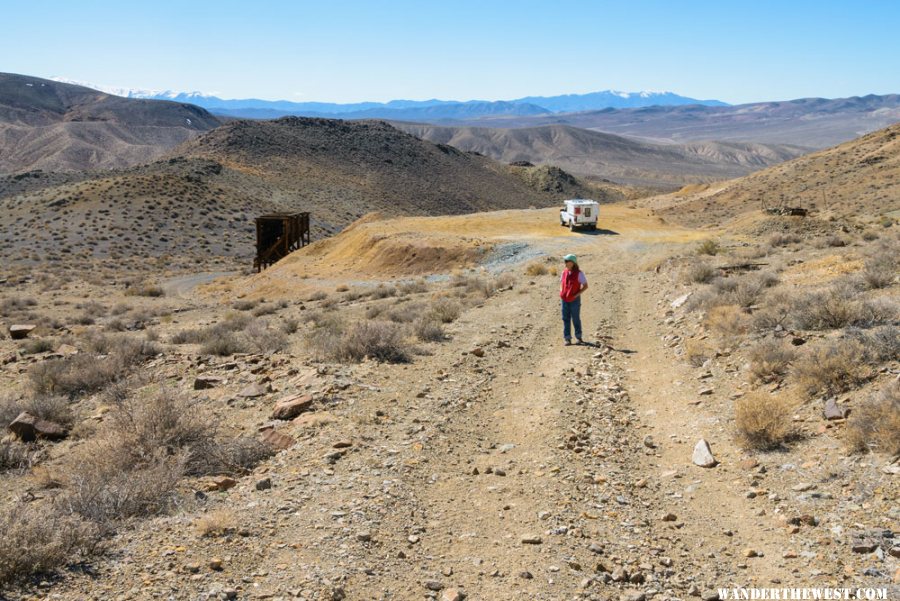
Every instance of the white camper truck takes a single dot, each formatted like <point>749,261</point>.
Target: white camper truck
<point>579,213</point>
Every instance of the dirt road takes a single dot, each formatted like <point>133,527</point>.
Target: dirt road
<point>503,465</point>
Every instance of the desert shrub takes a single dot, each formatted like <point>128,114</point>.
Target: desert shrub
<point>15,304</point>
<point>224,345</point>
<point>429,329</point>
<point>373,311</point>
<point>770,359</point>
<point>290,325</point>
<point>446,310</point>
<point>697,352</point>
<point>266,309</point>
<point>880,271</point>
<point>39,538</point>
<point>145,289</point>
<point>763,421</point>
<point>832,367</point>
<point>379,340</point>
<point>777,310</point>
<point>74,376</point>
<point>382,291</point>
<point>834,308</point>
<point>86,373</point>
<point>875,425</point>
<point>216,523</point>
<point>108,483</point>
<point>33,346</point>
<point>728,320</point>
<point>414,287</point>
<point>17,456</point>
<point>881,343</point>
<point>262,338</point>
<point>784,239</point>
<point>536,268</point>
<point>504,281</point>
<point>317,296</point>
<point>708,247</point>
<point>835,241</point>
<point>699,272</point>
<point>406,313</point>
<point>56,409</point>
<point>244,305</point>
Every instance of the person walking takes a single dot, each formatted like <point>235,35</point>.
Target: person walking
<point>571,284</point>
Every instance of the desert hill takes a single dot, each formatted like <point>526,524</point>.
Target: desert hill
<point>199,203</point>
<point>60,127</point>
<point>860,177</point>
<point>811,122</point>
<point>586,152</point>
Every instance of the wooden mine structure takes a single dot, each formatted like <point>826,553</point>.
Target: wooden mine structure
<point>278,235</point>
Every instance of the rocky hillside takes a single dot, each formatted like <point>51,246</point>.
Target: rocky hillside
<point>60,127</point>
<point>199,204</point>
<point>592,153</point>
<point>859,177</point>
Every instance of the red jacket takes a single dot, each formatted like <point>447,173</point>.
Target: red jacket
<point>571,285</point>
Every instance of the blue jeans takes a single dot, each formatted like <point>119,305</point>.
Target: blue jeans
<point>571,312</point>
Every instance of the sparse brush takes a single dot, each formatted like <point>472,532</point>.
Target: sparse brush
<point>784,239</point>
<point>317,296</point>
<point>244,305</point>
<point>33,346</point>
<point>38,538</point>
<point>699,272</point>
<point>708,247</point>
<point>379,340</point>
<point>414,287</point>
<point>17,456</point>
<point>145,289</point>
<point>769,360</point>
<point>216,523</point>
<point>875,425</point>
<point>832,367</point>
<point>264,339</point>
<point>881,271</point>
<point>429,329</point>
<point>446,310</point>
<point>763,421</point>
<point>536,268</point>
<point>383,292</point>
<point>697,352</point>
<point>728,320</point>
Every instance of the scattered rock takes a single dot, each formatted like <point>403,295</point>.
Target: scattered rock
<point>364,536</point>
<point>834,410</point>
<point>678,302</point>
<point>668,517</point>
<point>453,594</point>
<point>264,484</point>
<point>478,352</point>
<point>28,428</point>
<point>204,382</point>
<point>342,444</point>
<point>292,406</point>
<point>221,483</point>
<point>531,539</point>
<point>254,390</point>
<point>215,564</point>
<point>20,331</point>
<point>703,455</point>
<point>277,440</point>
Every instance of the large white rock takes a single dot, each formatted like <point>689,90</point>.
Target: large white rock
<point>703,454</point>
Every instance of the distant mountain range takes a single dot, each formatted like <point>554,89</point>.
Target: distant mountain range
<point>410,110</point>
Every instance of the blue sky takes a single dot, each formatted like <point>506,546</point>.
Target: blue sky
<point>347,51</point>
